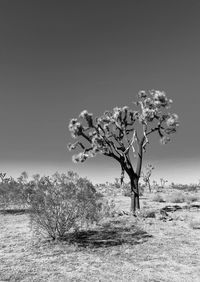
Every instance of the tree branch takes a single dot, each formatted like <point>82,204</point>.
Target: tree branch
<point>86,137</point>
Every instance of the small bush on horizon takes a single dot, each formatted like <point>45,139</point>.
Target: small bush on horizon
<point>185,187</point>
<point>195,224</point>
<point>126,190</point>
<point>192,198</point>
<point>158,198</point>
<point>11,193</point>
<point>146,213</point>
<point>176,197</point>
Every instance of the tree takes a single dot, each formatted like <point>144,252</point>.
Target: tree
<point>23,177</point>
<point>155,185</point>
<point>123,134</point>
<point>146,176</point>
<point>163,182</point>
<point>36,177</point>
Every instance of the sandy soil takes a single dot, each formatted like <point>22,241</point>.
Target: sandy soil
<point>122,249</point>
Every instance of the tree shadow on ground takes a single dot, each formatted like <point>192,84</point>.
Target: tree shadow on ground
<point>14,211</point>
<point>109,236</point>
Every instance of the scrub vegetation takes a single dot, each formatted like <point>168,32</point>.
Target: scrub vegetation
<point>63,228</point>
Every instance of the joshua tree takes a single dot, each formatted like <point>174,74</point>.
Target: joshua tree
<point>23,177</point>
<point>163,182</point>
<point>2,176</point>
<point>146,176</point>
<point>123,134</point>
<point>155,185</point>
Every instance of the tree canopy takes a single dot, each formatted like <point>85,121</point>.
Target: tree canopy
<point>123,130</point>
<point>116,132</point>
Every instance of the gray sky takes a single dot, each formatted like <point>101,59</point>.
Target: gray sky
<point>58,58</point>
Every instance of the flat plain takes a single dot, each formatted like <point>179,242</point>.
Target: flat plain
<point>122,248</point>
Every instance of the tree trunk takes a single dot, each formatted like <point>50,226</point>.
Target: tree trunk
<point>135,197</point>
<point>149,186</point>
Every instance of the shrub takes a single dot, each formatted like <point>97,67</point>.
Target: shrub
<point>127,190</point>
<point>195,224</point>
<point>117,183</point>
<point>149,213</point>
<point>107,208</point>
<point>176,197</point>
<point>11,194</point>
<point>4,196</point>
<point>158,198</point>
<point>192,198</point>
<point>185,187</point>
<point>59,206</point>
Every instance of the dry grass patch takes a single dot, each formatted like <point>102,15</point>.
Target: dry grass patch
<point>176,197</point>
<point>195,224</point>
<point>120,249</point>
<point>158,198</point>
<point>192,198</point>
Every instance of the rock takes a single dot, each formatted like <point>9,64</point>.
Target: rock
<point>194,206</point>
<point>171,208</point>
<point>150,214</point>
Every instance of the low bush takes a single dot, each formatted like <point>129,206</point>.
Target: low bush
<point>107,208</point>
<point>195,224</point>
<point>192,198</point>
<point>59,206</point>
<point>145,213</point>
<point>126,190</point>
<point>186,187</point>
<point>176,197</point>
<point>158,198</point>
<point>11,194</point>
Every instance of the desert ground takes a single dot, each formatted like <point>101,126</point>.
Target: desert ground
<point>154,246</point>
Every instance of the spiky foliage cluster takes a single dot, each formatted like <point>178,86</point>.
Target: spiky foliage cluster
<point>147,174</point>
<point>116,132</point>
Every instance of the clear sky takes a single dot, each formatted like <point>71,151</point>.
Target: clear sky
<point>58,58</point>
